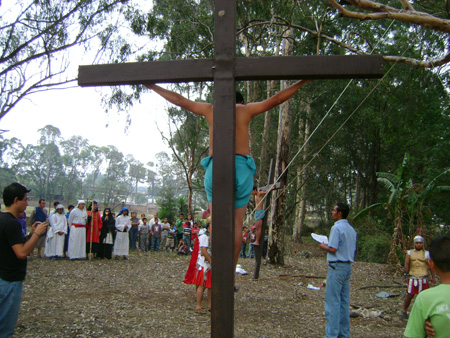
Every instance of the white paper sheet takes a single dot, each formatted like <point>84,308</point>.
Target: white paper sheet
<point>320,238</point>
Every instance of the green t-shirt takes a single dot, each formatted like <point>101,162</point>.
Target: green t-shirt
<point>434,304</point>
<point>179,225</point>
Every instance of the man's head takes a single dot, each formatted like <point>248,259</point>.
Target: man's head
<point>55,204</point>
<point>15,195</point>
<point>59,208</point>
<point>418,242</point>
<point>70,207</point>
<point>155,216</point>
<point>144,220</point>
<point>181,216</point>
<point>133,214</point>
<point>42,203</point>
<point>440,253</point>
<point>239,98</point>
<point>340,211</point>
<point>81,204</point>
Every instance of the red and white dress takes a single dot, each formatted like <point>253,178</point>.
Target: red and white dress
<point>203,267</point>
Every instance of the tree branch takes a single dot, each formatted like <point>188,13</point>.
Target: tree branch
<point>382,11</point>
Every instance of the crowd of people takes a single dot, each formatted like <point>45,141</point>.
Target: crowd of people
<point>82,231</point>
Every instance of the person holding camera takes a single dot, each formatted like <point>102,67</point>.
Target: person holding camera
<point>14,249</point>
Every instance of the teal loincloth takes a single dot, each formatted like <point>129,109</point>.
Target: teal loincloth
<point>243,186</point>
<point>259,214</point>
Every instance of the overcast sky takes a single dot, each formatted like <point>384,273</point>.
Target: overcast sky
<point>78,111</point>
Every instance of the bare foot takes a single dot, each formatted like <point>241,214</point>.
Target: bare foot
<point>255,243</point>
<point>199,310</point>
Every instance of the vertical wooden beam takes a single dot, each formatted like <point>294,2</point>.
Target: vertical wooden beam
<point>222,316</point>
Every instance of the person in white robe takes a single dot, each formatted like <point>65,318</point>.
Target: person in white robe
<point>56,234</point>
<point>122,243</point>
<point>77,238</point>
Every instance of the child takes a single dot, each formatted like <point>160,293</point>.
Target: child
<point>144,229</point>
<point>433,304</point>
<point>187,232</point>
<point>171,238</point>
<point>194,233</point>
<point>251,239</point>
<point>202,278</point>
<point>244,242</point>
<point>183,248</point>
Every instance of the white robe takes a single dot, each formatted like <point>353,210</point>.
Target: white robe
<point>77,238</point>
<point>122,243</point>
<point>55,242</point>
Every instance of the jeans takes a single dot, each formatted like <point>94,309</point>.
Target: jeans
<point>251,251</point>
<point>242,252</point>
<point>10,296</point>
<point>155,243</point>
<point>133,237</point>
<point>164,236</point>
<point>143,242</point>
<point>337,300</point>
<point>187,240</point>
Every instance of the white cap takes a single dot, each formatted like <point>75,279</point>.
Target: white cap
<point>418,238</point>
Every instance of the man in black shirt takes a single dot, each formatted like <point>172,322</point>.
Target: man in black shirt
<point>13,252</point>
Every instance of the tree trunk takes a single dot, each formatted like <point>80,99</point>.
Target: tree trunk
<point>264,158</point>
<point>302,172</point>
<point>278,204</point>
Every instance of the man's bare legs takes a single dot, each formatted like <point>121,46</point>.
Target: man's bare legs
<point>258,226</point>
<point>239,215</point>
<point>199,293</point>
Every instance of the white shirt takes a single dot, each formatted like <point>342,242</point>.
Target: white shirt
<point>121,221</point>
<point>78,216</point>
<point>59,223</point>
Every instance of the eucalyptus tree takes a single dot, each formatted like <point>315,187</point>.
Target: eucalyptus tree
<point>72,159</point>
<point>136,171</point>
<point>342,166</point>
<point>37,36</point>
<point>7,149</point>
<point>114,184</point>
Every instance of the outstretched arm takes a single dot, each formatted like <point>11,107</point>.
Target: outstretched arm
<point>199,108</point>
<point>275,100</point>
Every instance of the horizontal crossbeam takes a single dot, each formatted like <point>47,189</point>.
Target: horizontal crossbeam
<point>255,68</point>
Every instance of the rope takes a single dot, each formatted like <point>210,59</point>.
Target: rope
<point>320,123</point>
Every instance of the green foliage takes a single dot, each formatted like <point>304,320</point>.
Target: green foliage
<point>35,39</point>
<point>373,247</point>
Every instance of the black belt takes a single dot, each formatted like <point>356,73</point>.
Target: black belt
<point>330,264</point>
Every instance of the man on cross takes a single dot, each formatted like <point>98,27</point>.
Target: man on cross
<point>244,164</point>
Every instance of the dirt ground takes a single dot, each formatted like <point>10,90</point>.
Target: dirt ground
<point>145,297</point>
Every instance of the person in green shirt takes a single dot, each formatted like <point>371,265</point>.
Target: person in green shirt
<point>433,305</point>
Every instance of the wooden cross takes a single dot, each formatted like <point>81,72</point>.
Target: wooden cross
<point>224,70</point>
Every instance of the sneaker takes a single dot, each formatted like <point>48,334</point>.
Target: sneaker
<point>404,316</point>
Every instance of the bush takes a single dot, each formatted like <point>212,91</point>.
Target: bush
<point>373,247</point>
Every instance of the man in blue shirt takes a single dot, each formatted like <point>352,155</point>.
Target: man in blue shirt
<point>340,254</point>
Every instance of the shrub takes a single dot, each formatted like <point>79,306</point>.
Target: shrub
<point>373,247</point>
